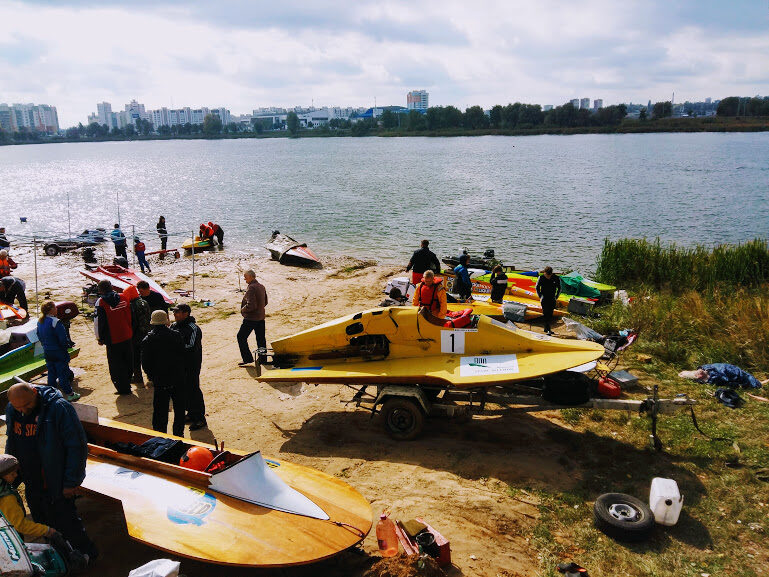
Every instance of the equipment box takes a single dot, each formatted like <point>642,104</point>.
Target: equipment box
<point>580,306</point>
<point>625,379</point>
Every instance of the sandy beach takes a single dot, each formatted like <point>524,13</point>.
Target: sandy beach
<point>469,481</point>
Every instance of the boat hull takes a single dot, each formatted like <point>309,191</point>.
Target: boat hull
<point>121,278</point>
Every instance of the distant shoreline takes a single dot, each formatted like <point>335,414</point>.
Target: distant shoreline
<point>628,126</point>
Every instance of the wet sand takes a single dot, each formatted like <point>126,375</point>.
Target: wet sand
<point>456,476</point>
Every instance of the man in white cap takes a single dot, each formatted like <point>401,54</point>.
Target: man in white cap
<point>163,361</point>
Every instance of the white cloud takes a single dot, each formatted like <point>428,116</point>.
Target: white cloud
<point>248,54</point>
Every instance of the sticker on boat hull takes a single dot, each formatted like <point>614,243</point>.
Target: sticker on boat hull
<point>482,365</point>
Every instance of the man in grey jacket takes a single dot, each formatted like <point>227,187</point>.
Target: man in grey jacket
<point>252,309</point>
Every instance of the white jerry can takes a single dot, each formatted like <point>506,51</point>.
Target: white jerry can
<point>665,501</point>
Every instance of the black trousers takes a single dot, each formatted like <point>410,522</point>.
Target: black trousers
<point>245,331</point>
<point>163,242</point>
<point>463,291</point>
<point>120,360</point>
<point>196,406</point>
<point>160,402</point>
<point>137,359</point>
<point>548,306</point>
<point>120,250</point>
<point>219,234</point>
<point>61,514</point>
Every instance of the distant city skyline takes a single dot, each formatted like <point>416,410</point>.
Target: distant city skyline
<point>247,55</point>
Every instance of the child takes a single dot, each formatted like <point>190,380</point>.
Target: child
<point>11,504</point>
<point>139,249</point>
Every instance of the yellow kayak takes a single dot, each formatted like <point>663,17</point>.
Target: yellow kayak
<point>199,244</point>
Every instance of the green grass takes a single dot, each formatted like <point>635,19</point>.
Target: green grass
<point>636,263</point>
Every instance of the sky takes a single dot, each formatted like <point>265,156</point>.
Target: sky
<point>245,54</point>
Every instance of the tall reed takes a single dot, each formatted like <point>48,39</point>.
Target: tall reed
<point>635,263</point>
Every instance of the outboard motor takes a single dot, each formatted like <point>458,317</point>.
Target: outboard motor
<point>488,253</point>
<point>89,255</point>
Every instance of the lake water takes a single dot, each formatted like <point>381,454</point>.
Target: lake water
<point>536,200</point>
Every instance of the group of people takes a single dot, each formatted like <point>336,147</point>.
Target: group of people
<point>431,294</point>
<point>135,328</point>
<point>211,231</point>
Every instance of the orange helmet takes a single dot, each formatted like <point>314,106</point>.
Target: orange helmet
<point>196,458</point>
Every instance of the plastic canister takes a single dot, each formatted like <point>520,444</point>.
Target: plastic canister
<point>665,501</point>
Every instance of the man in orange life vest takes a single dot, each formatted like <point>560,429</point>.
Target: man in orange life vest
<point>431,295</point>
<point>6,263</point>
<point>112,325</point>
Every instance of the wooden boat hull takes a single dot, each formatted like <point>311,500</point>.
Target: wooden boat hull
<point>121,278</point>
<point>401,345</point>
<point>175,510</point>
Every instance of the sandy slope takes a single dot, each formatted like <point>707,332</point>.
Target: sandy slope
<point>455,476</point>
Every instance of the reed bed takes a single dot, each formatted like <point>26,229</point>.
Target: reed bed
<point>637,263</point>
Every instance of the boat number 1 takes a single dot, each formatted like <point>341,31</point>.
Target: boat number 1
<point>453,342</point>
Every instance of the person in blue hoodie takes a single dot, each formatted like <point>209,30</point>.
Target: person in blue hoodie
<point>463,286</point>
<point>53,336</point>
<point>119,239</point>
<point>45,435</point>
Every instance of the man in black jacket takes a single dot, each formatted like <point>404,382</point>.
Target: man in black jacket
<point>155,300</point>
<point>548,289</point>
<point>163,361</point>
<point>12,289</point>
<point>421,260</point>
<point>192,337</point>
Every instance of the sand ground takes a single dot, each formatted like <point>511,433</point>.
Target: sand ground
<point>456,476</point>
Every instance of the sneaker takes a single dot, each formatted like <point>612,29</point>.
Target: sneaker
<point>198,425</point>
<point>73,397</point>
<point>245,364</point>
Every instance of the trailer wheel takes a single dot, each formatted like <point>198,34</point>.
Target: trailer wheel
<point>623,517</point>
<point>403,419</point>
<point>51,249</point>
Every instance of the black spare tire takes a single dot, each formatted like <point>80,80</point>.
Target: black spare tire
<point>623,517</point>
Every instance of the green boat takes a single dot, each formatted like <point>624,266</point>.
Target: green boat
<point>21,354</point>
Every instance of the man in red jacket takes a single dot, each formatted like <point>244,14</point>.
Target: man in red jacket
<point>252,309</point>
<point>112,325</point>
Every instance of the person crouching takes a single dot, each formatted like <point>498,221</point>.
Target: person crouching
<point>163,361</point>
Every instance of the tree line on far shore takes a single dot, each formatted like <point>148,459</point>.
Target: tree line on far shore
<point>511,118</point>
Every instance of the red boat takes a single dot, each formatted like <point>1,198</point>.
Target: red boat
<point>121,278</point>
<point>286,250</point>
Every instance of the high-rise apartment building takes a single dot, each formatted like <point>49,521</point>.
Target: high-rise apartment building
<point>104,114</point>
<point>584,103</point>
<point>34,117</point>
<point>575,102</point>
<point>597,103</point>
<point>417,100</point>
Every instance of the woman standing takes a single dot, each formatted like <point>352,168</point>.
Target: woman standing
<point>53,337</point>
<point>162,232</point>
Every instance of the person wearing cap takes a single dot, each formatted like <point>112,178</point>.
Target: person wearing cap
<point>192,337</point>
<point>55,340</point>
<point>112,325</point>
<point>13,289</point>
<point>12,505</point>
<point>163,361</point>
<point>139,250</point>
<point>548,288</point>
<point>7,264</point>
<point>252,309</point>
<point>154,299</point>
<point>45,435</point>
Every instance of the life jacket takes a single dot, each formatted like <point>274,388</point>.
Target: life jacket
<point>139,247</point>
<point>5,267</point>
<point>118,319</point>
<point>428,296</point>
<point>459,319</point>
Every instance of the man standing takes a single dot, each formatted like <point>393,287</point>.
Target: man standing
<point>252,309</point>
<point>140,326</point>
<point>548,289</point>
<point>12,289</point>
<point>463,286</point>
<point>45,435</point>
<point>192,337</point>
<point>154,300</point>
<point>162,232</point>
<point>163,361</point>
<point>112,325</point>
<point>120,241</point>
<point>422,260</point>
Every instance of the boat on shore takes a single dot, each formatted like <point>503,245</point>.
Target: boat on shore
<point>289,251</point>
<point>21,354</point>
<point>198,243</point>
<point>121,278</point>
<point>241,509</point>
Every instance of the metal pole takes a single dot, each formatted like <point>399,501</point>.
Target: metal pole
<point>34,252</point>
<point>193,264</point>
<point>69,225</point>
<point>133,240</point>
<point>117,197</point>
